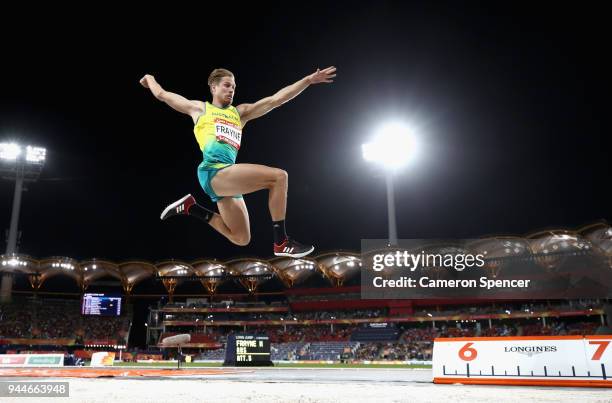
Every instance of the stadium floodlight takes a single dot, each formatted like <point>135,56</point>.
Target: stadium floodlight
<point>35,154</point>
<point>18,162</point>
<point>392,147</point>
<point>20,166</point>
<point>9,151</point>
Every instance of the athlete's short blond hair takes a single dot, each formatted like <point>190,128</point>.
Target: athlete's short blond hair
<point>217,74</point>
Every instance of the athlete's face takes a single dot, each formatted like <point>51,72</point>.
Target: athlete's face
<point>224,91</point>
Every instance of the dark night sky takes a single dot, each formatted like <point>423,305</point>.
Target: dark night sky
<point>511,102</point>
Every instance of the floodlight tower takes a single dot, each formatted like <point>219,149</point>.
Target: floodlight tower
<point>21,164</point>
<point>391,147</point>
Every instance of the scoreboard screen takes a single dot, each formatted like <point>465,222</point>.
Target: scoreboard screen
<point>101,305</point>
<point>247,350</point>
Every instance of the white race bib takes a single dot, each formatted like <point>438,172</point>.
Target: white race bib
<point>228,132</point>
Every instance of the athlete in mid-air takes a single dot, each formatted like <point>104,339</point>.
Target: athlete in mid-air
<point>218,131</point>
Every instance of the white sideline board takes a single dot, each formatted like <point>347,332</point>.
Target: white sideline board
<point>524,360</point>
<point>31,360</point>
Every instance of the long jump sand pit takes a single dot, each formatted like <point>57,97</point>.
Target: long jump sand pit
<point>283,385</point>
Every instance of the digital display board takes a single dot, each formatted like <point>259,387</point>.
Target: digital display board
<point>247,350</point>
<point>101,305</point>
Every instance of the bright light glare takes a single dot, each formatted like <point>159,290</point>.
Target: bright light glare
<point>9,151</point>
<point>393,145</point>
<point>35,154</point>
<point>13,152</point>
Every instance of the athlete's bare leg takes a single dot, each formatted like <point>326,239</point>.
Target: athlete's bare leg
<point>233,220</point>
<point>249,178</point>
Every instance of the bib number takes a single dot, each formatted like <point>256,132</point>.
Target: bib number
<point>227,132</point>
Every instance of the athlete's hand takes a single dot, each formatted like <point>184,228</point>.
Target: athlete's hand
<point>322,76</point>
<point>148,78</point>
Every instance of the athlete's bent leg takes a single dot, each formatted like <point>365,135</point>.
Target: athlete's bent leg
<point>232,220</point>
<point>248,178</point>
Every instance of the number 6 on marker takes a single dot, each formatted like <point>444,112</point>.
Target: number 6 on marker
<point>467,349</point>
<point>600,350</point>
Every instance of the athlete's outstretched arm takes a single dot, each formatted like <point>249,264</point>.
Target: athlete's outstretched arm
<point>252,111</point>
<point>175,101</point>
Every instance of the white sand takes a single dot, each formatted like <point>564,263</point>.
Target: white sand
<point>198,390</point>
